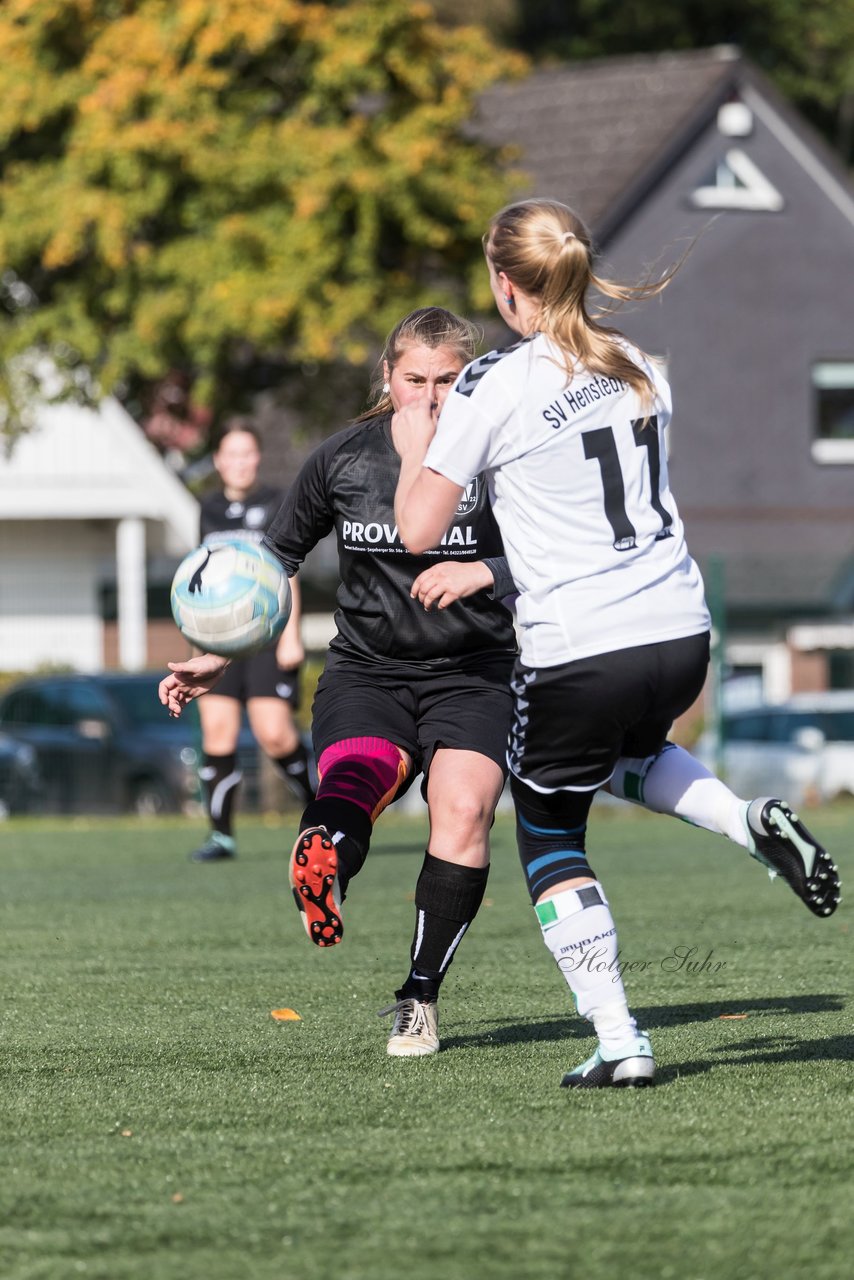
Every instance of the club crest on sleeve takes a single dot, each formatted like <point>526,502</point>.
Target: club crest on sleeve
<point>468,501</point>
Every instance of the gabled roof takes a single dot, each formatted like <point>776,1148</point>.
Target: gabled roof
<point>599,135</point>
<point>84,464</point>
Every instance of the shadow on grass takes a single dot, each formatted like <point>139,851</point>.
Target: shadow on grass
<point>496,1035</point>
<point>755,1052</point>
<point>673,1015</point>
<point>499,1035</point>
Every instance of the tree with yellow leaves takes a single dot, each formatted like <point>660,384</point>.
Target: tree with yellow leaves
<point>196,184</point>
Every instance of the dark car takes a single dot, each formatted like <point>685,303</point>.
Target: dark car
<point>20,783</point>
<point>104,744</point>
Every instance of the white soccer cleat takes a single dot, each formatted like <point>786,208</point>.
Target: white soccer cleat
<point>415,1031</point>
<point>632,1066</point>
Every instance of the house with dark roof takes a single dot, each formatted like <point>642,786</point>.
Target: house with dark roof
<point>659,153</point>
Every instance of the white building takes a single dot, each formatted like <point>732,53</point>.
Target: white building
<point>89,512</point>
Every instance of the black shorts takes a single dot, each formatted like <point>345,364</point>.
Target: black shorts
<point>467,709</point>
<point>572,723</point>
<point>260,677</point>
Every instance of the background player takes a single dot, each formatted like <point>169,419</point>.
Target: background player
<point>267,684</point>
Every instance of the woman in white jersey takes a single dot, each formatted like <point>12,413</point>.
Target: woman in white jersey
<point>568,425</point>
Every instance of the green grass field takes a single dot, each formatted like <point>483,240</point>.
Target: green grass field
<point>158,1124</point>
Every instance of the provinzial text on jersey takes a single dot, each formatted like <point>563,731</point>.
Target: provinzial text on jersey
<point>375,533</point>
<point>580,398</point>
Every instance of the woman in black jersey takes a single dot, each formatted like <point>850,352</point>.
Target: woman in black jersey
<point>267,684</point>
<point>416,679</point>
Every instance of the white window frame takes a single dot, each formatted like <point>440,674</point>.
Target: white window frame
<point>829,375</point>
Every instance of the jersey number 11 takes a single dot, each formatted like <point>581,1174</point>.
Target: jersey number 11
<point>600,445</point>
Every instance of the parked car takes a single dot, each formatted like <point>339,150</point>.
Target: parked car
<point>802,749</point>
<point>20,783</point>
<point>104,743</point>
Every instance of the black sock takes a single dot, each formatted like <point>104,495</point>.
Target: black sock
<point>220,778</point>
<point>447,899</point>
<point>295,771</point>
<point>350,827</point>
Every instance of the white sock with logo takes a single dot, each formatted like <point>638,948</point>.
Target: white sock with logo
<point>579,931</point>
<point>675,782</point>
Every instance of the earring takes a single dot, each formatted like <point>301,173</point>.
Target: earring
<point>510,302</point>
<point>386,388</point>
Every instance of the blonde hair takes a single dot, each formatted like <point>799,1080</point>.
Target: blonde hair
<point>545,250</point>
<point>431,327</point>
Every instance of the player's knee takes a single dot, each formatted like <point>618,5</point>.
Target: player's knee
<point>278,743</point>
<point>367,771</point>
<point>630,774</point>
<point>467,813</point>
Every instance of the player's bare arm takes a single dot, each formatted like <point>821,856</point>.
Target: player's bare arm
<point>189,680</point>
<point>424,505</point>
<point>425,502</point>
<point>289,650</point>
<point>444,583</point>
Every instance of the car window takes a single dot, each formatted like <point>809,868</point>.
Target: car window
<point>755,727</point>
<point>25,706</point>
<point>82,702</point>
<point>840,726</point>
<point>140,704</point>
<point>780,725</point>
<point>54,705</point>
<point>837,726</point>
<point>784,726</point>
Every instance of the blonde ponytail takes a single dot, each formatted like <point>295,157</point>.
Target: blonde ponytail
<point>545,250</point>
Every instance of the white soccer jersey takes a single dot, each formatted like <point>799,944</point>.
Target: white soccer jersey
<point>579,488</point>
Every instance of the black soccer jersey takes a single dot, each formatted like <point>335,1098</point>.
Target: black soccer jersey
<point>348,484</point>
<point>248,519</point>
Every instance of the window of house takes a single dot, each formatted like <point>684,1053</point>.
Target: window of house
<point>833,411</point>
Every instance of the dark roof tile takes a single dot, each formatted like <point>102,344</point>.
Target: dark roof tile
<point>586,132</point>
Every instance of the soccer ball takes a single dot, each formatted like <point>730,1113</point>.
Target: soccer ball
<point>232,598</point>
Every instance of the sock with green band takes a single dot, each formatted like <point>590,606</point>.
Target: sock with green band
<point>579,931</point>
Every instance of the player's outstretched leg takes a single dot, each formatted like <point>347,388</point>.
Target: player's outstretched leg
<point>778,839</point>
<point>313,875</point>
<point>358,778</point>
<point>631,1066</point>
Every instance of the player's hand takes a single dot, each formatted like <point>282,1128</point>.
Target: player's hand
<point>447,581</point>
<point>413,426</point>
<point>189,680</point>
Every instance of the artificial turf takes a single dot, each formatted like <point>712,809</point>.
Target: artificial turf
<point>159,1124</point>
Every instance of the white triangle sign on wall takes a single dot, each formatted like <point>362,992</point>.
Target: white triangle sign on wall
<point>737,183</point>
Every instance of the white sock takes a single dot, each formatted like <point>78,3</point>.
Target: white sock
<point>579,931</point>
<point>675,782</point>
